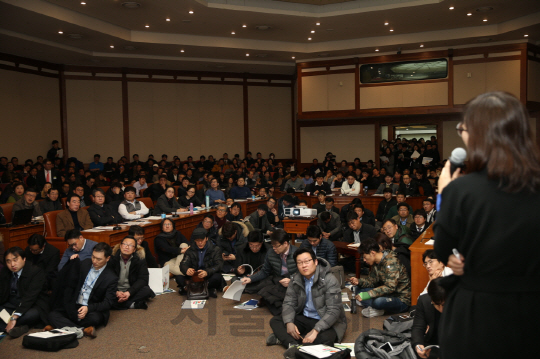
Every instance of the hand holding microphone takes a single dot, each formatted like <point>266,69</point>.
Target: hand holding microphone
<point>453,167</point>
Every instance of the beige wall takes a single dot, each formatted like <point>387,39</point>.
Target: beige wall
<point>30,115</point>
<point>346,142</point>
<point>185,119</point>
<point>451,139</point>
<point>270,129</point>
<point>94,112</point>
<point>533,81</point>
<point>328,92</point>
<point>485,77</point>
<point>404,95</point>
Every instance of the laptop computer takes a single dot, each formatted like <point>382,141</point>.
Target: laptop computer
<point>21,217</point>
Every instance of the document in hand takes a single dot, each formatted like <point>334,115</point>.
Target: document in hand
<point>235,291</point>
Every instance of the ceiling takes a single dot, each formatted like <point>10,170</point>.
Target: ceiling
<point>274,32</point>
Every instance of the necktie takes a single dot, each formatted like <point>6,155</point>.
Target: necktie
<point>14,282</point>
<point>284,269</point>
<point>48,176</point>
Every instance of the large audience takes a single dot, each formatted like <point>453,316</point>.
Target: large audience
<point>111,192</point>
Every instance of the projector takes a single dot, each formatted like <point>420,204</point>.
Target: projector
<point>300,212</point>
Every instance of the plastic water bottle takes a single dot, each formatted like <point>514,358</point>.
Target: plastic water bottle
<point>253,197</point>
<point>365,191</point>
<point>207,201</point>
<point>353,301</point>
<point>191,208</point>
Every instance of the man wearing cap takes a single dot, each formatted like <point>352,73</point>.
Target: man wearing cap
<point>387,184</point>
<point>203,260</point>
<point>259,220</point>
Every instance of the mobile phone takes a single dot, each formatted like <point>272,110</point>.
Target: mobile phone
<point>387,347</point>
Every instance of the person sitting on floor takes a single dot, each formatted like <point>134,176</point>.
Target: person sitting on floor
<point>103,214</point>
<point>170,246</point>
<point>322,247</point>
<point>230,241</point>
<point>253,253</point>
<point>312,309</point>
<point>204,260</point>
<point>259,220</point>
<point>330,225</point>
<point>434,267</point>
<point>137,232</point>
<point>279,263</point>
<point>426,320</point>
<point>129,264</point>
<point>43,255</point>
<point>131,208</point>
<point>87,295</point>
<point>77,246</point>
<point>387,287</point>
<point>23,293</point>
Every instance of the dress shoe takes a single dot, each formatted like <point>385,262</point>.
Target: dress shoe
<point>141,305</point>
<point>182,291</point>
<point>89,332</point>
<point>213,293</point>
<point>18,331</point>
<point>48,328</point>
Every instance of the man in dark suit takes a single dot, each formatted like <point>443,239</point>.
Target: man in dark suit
<point>420,224</point>
<point>319,185</point>
<point>88,293</point>
<point>103,214</point>
<point>43,255</point>
<point>22,292</point>
<point>31,180</point>
<point>48,174</point>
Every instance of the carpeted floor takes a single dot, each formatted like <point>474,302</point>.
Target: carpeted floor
<point>164,331</point>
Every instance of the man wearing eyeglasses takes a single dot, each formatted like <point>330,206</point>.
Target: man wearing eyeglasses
<point>78,247</point>
<point>312,309</point>
<point>102,214</point>
<point>129,264</point>
<point>396,232</point>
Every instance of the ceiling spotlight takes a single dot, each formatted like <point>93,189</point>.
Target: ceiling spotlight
<point>391,30</point>
<point>293,57</point>
<point>525,35</point>
<point>244,25</point>
<point>182,50</point>
<point>469,14</point>
<point>247,54</point>
<point>312,31</point>
<point>451,8</point>
<point>309,38</point>
<point>376,50</point>
<point>147,26</point>
<point>112,46</point>
<point>422,45</point>
<point>318,24</point>
<point>167,19</point>
<point>191,12</point>
<point>386,23</point>
<point>485,20</point>
<point>83,3</point>
<point>60,32</point>
<point>233,33</point>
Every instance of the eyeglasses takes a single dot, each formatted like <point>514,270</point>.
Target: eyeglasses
<point>274,246</point>
<point>460,129</point>
<point>304,262</point>
<point>387,228</point>
<point>128,245</point>
<point>428,263</point>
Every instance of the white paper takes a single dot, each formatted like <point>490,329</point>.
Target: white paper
<point>384,158</point>
<point>319,351</point>
<point>426,160</point>
<point>4,315</point>
<point>415,155</point>
<point>345,297</point>
<point>430,242</point>
<point>240,200</point>
<point>235,291</point>
<point>60,152</point>
<point>353,245</point>
<point>49,334</point>
<point>106,228</point>
<point>93,230</point>
<point>317,171</point>
<point>228,277</point>
<point>159,279</point>
<point>346,346</point>
<point>193,304</point>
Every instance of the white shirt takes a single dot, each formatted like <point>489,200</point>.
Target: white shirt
<point>138,214</point>
<point>346,188</point>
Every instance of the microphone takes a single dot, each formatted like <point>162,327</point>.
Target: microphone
<point>457,159</point>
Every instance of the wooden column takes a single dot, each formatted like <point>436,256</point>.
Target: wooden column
<point>246,117</point>
<point>63,114</point>
<point>125,114</point>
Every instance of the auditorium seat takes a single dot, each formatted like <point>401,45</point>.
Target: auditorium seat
<point>64,202</point>
<point>50,231</point>
<point>7,208</point>
<point>105,188</point>
<point>147,202</point>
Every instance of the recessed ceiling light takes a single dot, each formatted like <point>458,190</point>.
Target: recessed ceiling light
<point>469,14</point>
<point>484,20</point>
<point>182,50</point>
<point>376,50</point>
<point>525,35</point>
<point>244,25</point>
<point>293,57</point>
<point>484,9</point>
<point>167,19</point>
<point>75,36</point>
<point>60,32</point>
<point>130,47</point>
<point>451,8</point>
<point>83,3</point>
<point>422,45</point>
<point>318,24</point>
<point>309,38</point>
<point>191,11</point>
<point>263,27</point>
<point>391,30</point>
<point>131,4</point>
<point>233,33</point>
<point>386,23</point>
<point>112,46</point>
<point>312,31</point>
<point>247,54</point>
<point>147,26</point>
